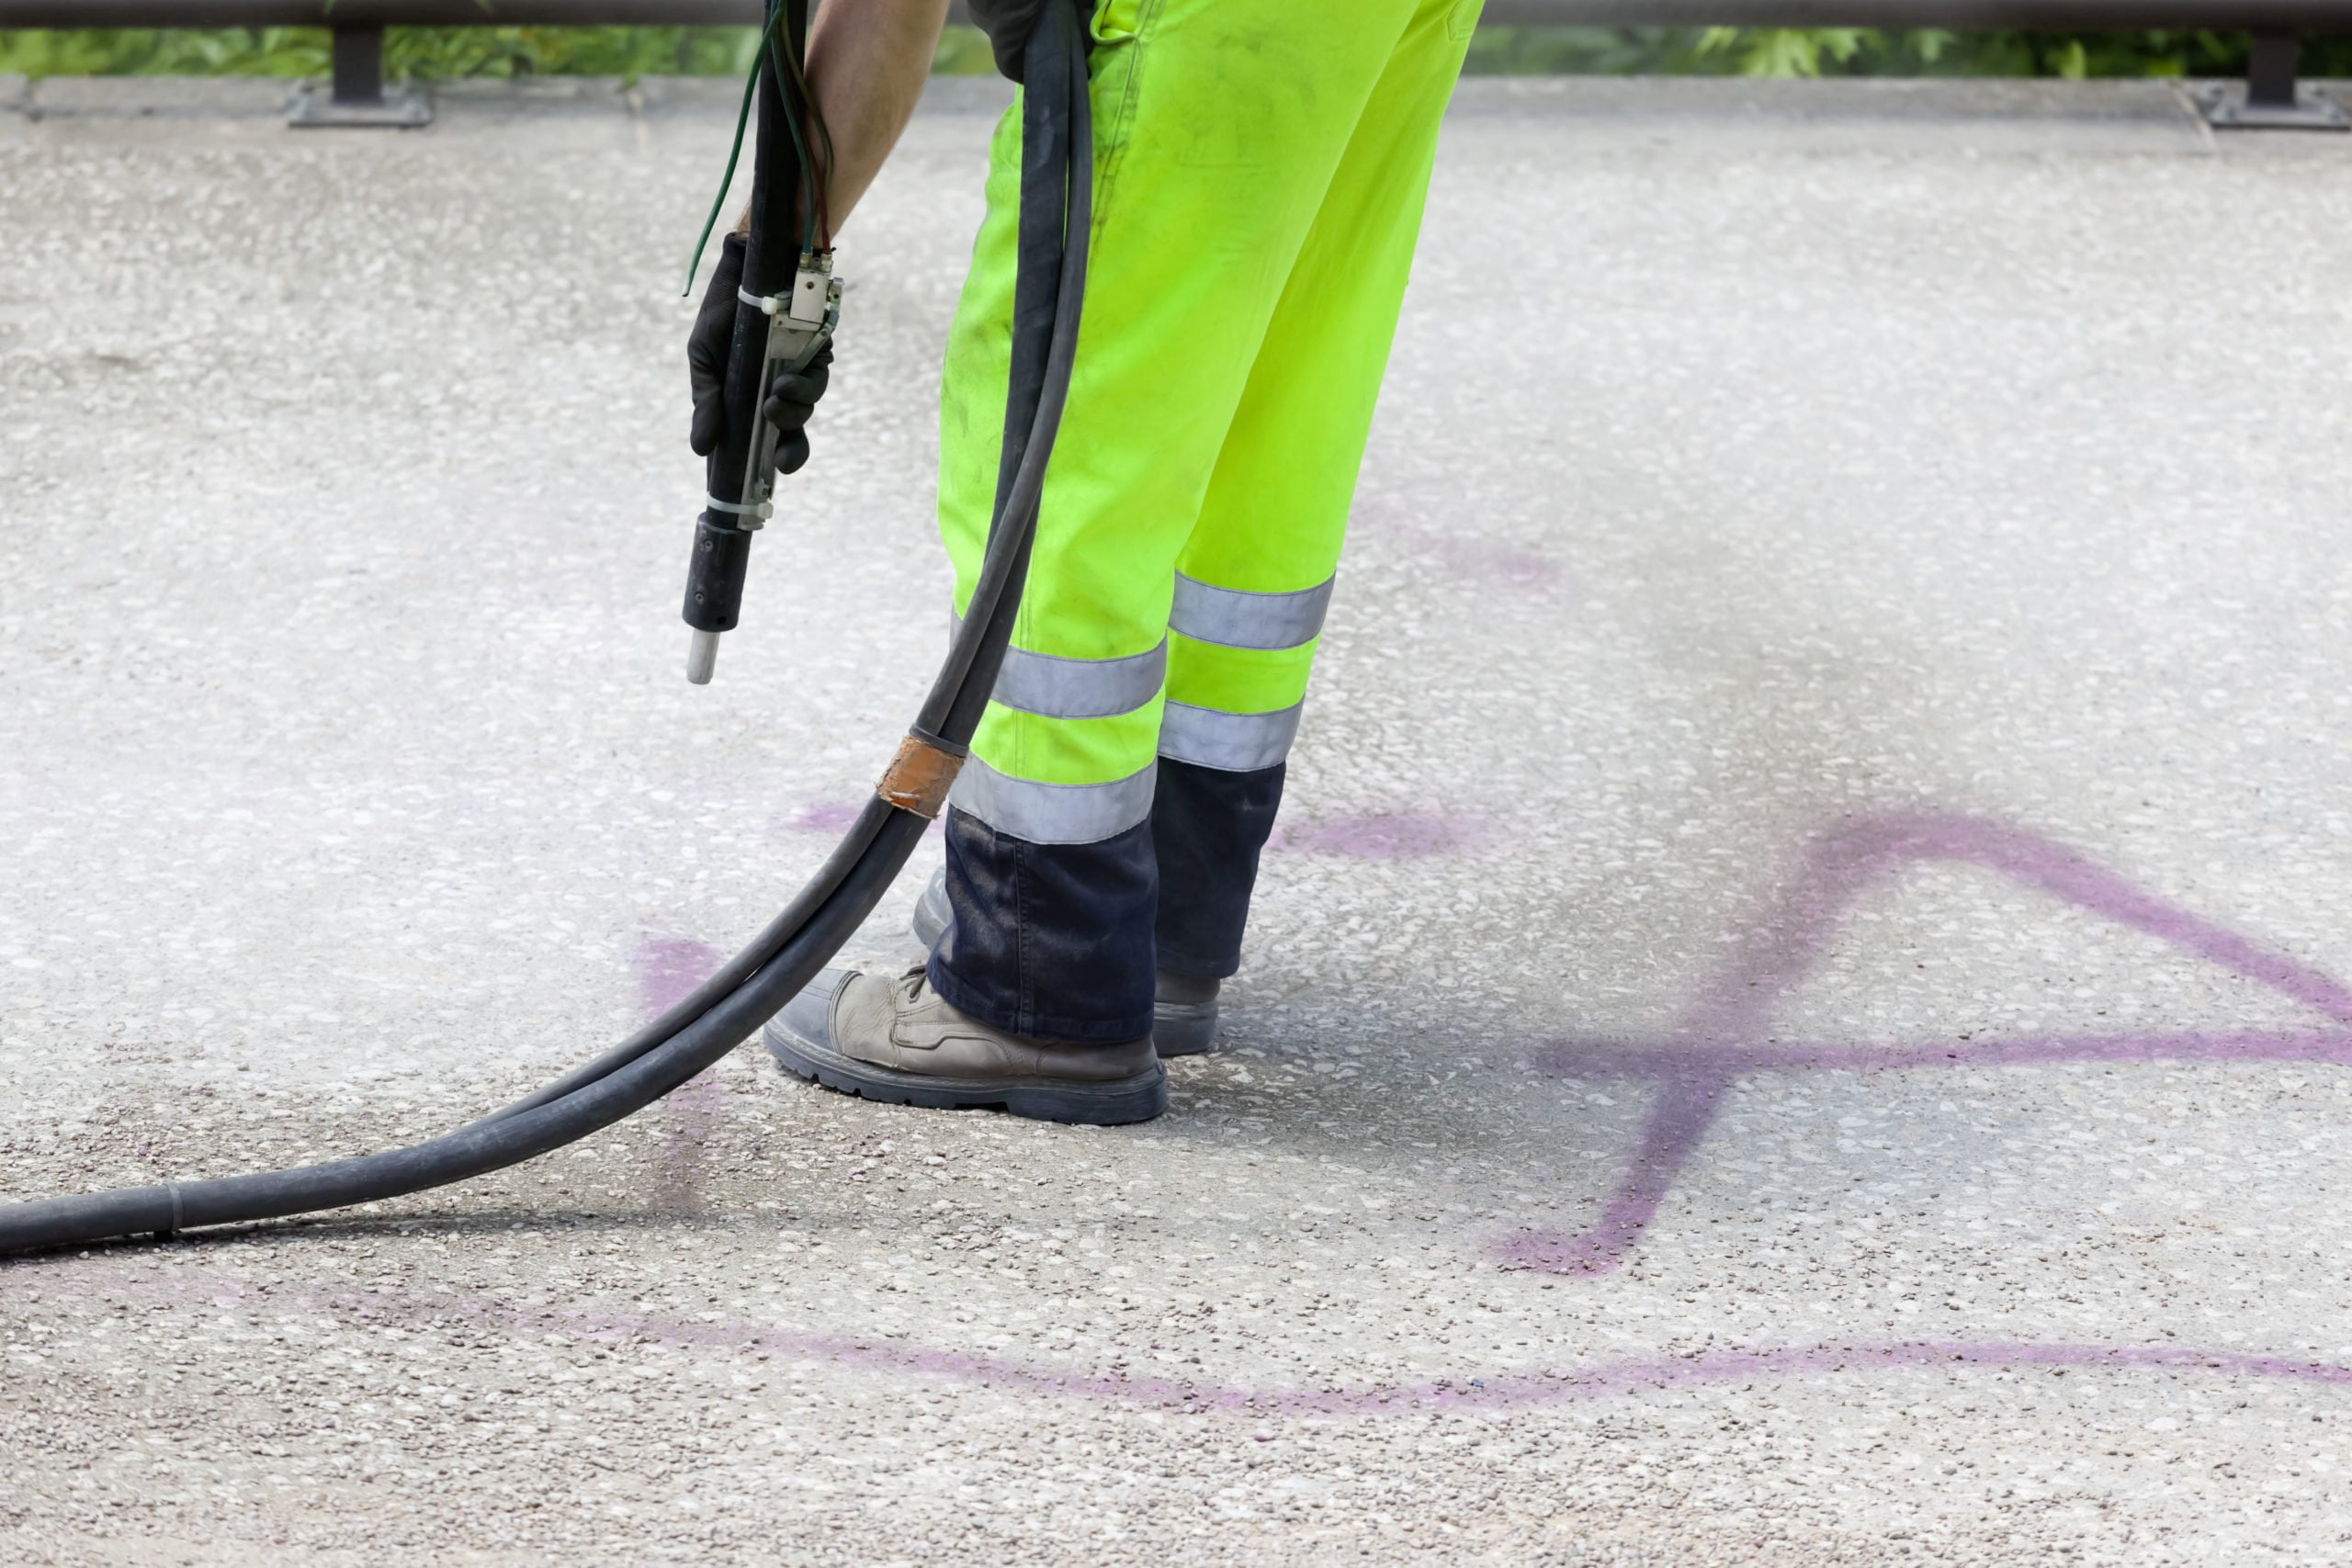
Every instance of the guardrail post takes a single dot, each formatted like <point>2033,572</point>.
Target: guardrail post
<point>357,96</point>
<point>359,66</point>
<point>2272,99</point>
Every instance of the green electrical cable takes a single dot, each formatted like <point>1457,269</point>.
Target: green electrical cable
<point>799,143</point>
<point>735,149</point>
<point>820,176</point>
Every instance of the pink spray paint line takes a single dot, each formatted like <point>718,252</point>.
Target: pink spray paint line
<point>667,969</point>
<point>1590,1382</point>
<point>1466,556</point>
<point>1716,1040</point>
<point>1387,835</point>
<point>834,818</point>
<point>1693,1067</point>
<point>1485,560</point>
<point>824,817</point>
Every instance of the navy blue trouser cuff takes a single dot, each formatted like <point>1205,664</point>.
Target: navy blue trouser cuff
<point>1207,826</point>
<point>1049,941</point>
<point>1064,942</point>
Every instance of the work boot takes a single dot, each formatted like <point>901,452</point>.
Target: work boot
<point>932,911</point>
<point>892,1038</point>
<point>1183,1012</point>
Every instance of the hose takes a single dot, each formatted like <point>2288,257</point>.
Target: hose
<point>1055,215</point>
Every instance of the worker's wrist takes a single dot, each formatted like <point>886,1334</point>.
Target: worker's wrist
<point>742,229</point>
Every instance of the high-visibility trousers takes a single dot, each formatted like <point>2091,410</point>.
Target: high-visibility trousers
<point>1260,168</point>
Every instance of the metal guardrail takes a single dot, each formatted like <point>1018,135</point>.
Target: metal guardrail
<point>1962,16</point>
<point>2271,96</point>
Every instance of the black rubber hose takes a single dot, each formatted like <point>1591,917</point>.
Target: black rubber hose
<point>748,991</point>
<point>852,848</point>
<point>1055,116</point>
<point>1045,159</point>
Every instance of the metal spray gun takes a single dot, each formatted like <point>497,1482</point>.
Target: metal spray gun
<point>785,312</point>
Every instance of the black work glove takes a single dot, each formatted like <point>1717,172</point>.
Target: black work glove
<point>791,398</point>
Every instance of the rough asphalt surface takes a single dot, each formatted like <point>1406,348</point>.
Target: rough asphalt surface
<point>1799,1014</point>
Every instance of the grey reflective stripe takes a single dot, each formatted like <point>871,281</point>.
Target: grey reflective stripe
<point>1050,813</point>
<point>1237,742</point>
<point>1235,619</point>
<point>1054,687</point>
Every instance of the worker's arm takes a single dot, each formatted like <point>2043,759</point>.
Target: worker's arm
<point>867,61</point>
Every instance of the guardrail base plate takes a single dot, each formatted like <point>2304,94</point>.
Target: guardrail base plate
<point>2226,108</point>
<point>313,106</point>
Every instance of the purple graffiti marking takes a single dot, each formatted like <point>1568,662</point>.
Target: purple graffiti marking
<point>1588,1383</point>
<point>1715,1041</point>
<point>1482,561</point>
<point>825,817</point>
<point>834,818</point>
<point>667,969</point>
<point>1485,560</point>
<point>1395,835</point>
<point>1718,1038</point>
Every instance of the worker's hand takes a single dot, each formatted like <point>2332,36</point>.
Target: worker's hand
<point>791,398</point>
<point>708,345</point>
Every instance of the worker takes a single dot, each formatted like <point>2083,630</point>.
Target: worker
<point>1260,172</point>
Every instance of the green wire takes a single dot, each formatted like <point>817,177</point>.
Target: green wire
<point>735,149</point>
<point>799,149</point>
<point>817,170</point>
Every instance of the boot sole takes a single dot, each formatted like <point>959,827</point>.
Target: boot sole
<point>1113,1104</point>
<point>1189,1032</point>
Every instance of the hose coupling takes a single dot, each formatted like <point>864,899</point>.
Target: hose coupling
<point>920,774</point>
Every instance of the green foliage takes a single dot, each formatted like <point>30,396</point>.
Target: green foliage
<point>1855,51</point>
<point>238,51</point>
<point>439,54</point>
<point>421,53</point>
<point>1784,51</point>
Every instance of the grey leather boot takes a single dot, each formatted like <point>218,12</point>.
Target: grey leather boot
<point>1183,1014</point>
<point>1184,1010</point>
<point>892,1038</point>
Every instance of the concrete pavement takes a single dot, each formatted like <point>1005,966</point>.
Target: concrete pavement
<point>1799,1014</point>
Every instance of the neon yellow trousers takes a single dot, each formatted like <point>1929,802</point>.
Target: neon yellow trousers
<point>1260,167</point>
